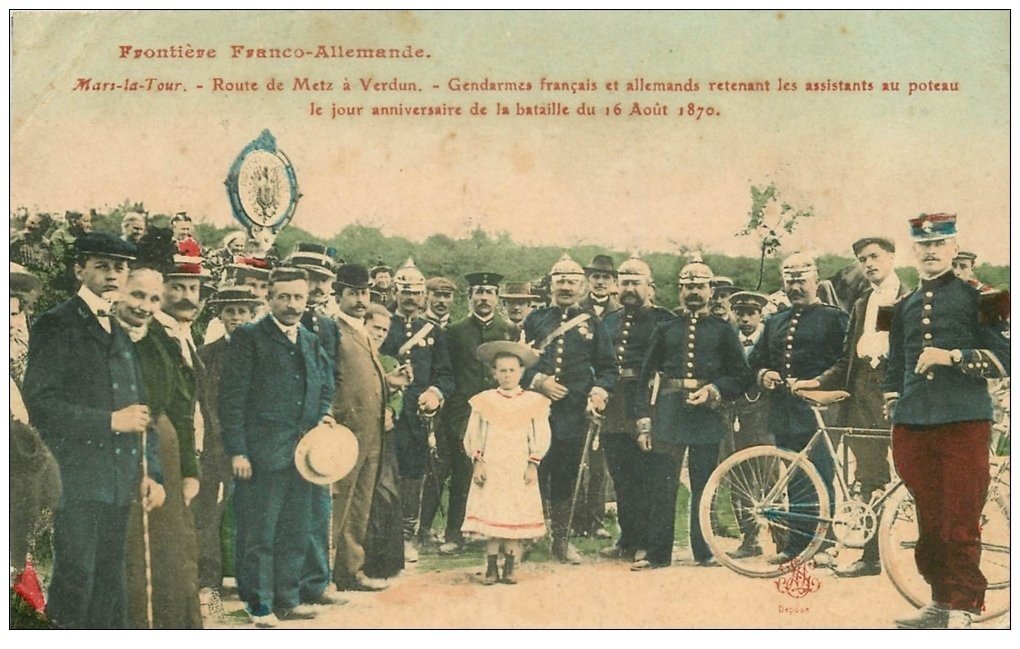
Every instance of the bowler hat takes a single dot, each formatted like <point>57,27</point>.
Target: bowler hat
<point>601,264</point>
<point>351,276</point>
<point>326,453</point>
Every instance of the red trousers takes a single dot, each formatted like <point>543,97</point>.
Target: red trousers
<point>945,467</point>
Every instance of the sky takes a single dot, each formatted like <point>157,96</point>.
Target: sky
<point>865,162</point>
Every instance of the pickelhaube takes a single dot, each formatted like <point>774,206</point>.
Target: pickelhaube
<point>635,266</point>
<point>566,266</point>
<point>798,265</point>
<point>695,273</point>
<point>409,277</point>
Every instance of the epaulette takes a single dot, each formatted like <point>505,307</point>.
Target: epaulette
<point>993,307</point>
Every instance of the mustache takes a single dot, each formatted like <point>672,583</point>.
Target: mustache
<point>184,304</point>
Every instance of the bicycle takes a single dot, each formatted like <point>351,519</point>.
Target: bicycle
<point>783,493</point>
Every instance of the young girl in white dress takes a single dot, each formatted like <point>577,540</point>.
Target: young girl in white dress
<point>506,438</point>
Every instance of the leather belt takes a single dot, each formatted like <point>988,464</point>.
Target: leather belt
<point>683,384</point>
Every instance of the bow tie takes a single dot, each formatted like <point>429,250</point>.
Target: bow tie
<point>748,342</point>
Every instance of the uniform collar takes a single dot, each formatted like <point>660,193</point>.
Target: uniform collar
<point>942,278</point>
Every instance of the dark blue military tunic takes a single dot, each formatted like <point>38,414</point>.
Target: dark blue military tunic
<point>698,350</point>
<point>631,330</point>
<point>580,359</point>
<point>799,343</point>
<point>944,312</point>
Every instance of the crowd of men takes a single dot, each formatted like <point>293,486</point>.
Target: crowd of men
<point>156,435</point>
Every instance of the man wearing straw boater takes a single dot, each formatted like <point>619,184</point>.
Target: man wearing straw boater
<point>943,347</point>
<point>275,386</point>
<point>84,392</point>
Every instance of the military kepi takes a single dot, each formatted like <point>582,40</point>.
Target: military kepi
<point>483,279</point>
<point>931,227</point>
<point>103,244</point>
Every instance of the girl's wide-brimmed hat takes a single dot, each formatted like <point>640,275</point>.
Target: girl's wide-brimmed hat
<point>486,352</point>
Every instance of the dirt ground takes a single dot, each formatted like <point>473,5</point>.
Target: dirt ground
<point>605,594</point>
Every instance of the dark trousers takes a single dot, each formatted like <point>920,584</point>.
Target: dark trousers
<point>453,465</point>
<point>660,478</point>
<point>276,519</point>
<point>800,491</point>
<point>558,470</point>
<point>626,465</point>
<point>239,504</point>
<point>701,461</point>
<point>207,509</point>
<point>89,585</point>
<point>945,467</point>
<point>315,576</point>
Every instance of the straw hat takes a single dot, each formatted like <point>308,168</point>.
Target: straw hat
<point>326,453</point>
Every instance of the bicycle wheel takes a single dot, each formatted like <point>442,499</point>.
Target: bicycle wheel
<point>898,538</point>
<point>760,511</point>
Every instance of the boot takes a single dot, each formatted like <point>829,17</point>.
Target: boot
<point>508,570</point>
<point>410,505</point>
<point>561,548</point>
<point>492,571</point>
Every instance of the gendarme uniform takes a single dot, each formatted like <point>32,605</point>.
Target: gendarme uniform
<point>689,352</point>
<point>422,344</point>
<point>942,419</point>
<point>575,349</point>
<point>631,330</point>
<point>799,343</point>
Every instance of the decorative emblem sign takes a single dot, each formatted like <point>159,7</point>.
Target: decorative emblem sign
<point>263,189</point>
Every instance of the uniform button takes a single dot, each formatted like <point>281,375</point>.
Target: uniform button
<point>926,321</point>
<point>690,375</point>
<point>116,451</point>
<point>970,365</point>
<point>298,402</point>
<point>134,451</point>
<point>929,294</point>
<point>690,345</point>
<point>927,336</point>
<point>559,361</point>
<point>115,385</point>
<point>789,346</point>
<point>690,354</point>
<point>930,376</point>
<point>927,307</point>
<point>297,376</point>
<point>620,349</point>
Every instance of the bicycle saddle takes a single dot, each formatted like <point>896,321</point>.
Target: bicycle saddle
<point>823,397</point>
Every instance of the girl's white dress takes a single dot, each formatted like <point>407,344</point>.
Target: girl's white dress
<point>506,430</point>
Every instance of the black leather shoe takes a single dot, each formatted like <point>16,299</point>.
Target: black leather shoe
<point>300,612</point>
<point>616,552</point>
<point>746,550</point>
<point>708,563</point>
<point>932,616</point>
<point>364,585</point>
<point>325,599</point>
<point>860,569</point>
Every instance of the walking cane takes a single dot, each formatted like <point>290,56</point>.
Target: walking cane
<point>591,443</point>
<point>145,538</point>
<point>430,426</point>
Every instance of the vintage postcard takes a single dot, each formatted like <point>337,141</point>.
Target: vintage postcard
<point>497,140</point>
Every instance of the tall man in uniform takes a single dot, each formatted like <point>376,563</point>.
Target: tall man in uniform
<point>577,371</point>
<point>415,341</point>
<point>631,330</point>
<point>700,364</point>
<point>314,258</point>
<point>84,393</point>
<point>471,376</point>
<point>798,343</point>
<point>942,351</point>
<point>275,386</point>
<point>860,371</point>
<point>359,404</point>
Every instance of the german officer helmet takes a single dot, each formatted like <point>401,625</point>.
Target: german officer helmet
<point>409,277</point>
<point>695,273</point>
<point>566,266</point>
<point>634,266</point>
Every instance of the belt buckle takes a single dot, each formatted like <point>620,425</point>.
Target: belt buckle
<point>690,384</point>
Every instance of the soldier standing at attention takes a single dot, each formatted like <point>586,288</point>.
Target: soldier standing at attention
<point>577,371</point>
<point>942,351</point>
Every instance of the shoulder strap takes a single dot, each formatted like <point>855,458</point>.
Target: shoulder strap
<point>416,338</point>
<point>563,328</point>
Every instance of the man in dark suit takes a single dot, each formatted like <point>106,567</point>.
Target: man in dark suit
<point>317,260</point>
<point>471,376</point>
<point>420,344</point>
<point>359,403</point>
<point>275,386</point>
<point>577,371</point>
<point>234,305</point>
<point>83,390</point>
<point>798,343</point>
<point>860,371</point>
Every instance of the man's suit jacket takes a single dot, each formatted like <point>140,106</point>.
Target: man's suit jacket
<point>77,376</point>
<point>360,398</point>
<point>213,456</point>
<point>271,392</point>
<point>612,304</point>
